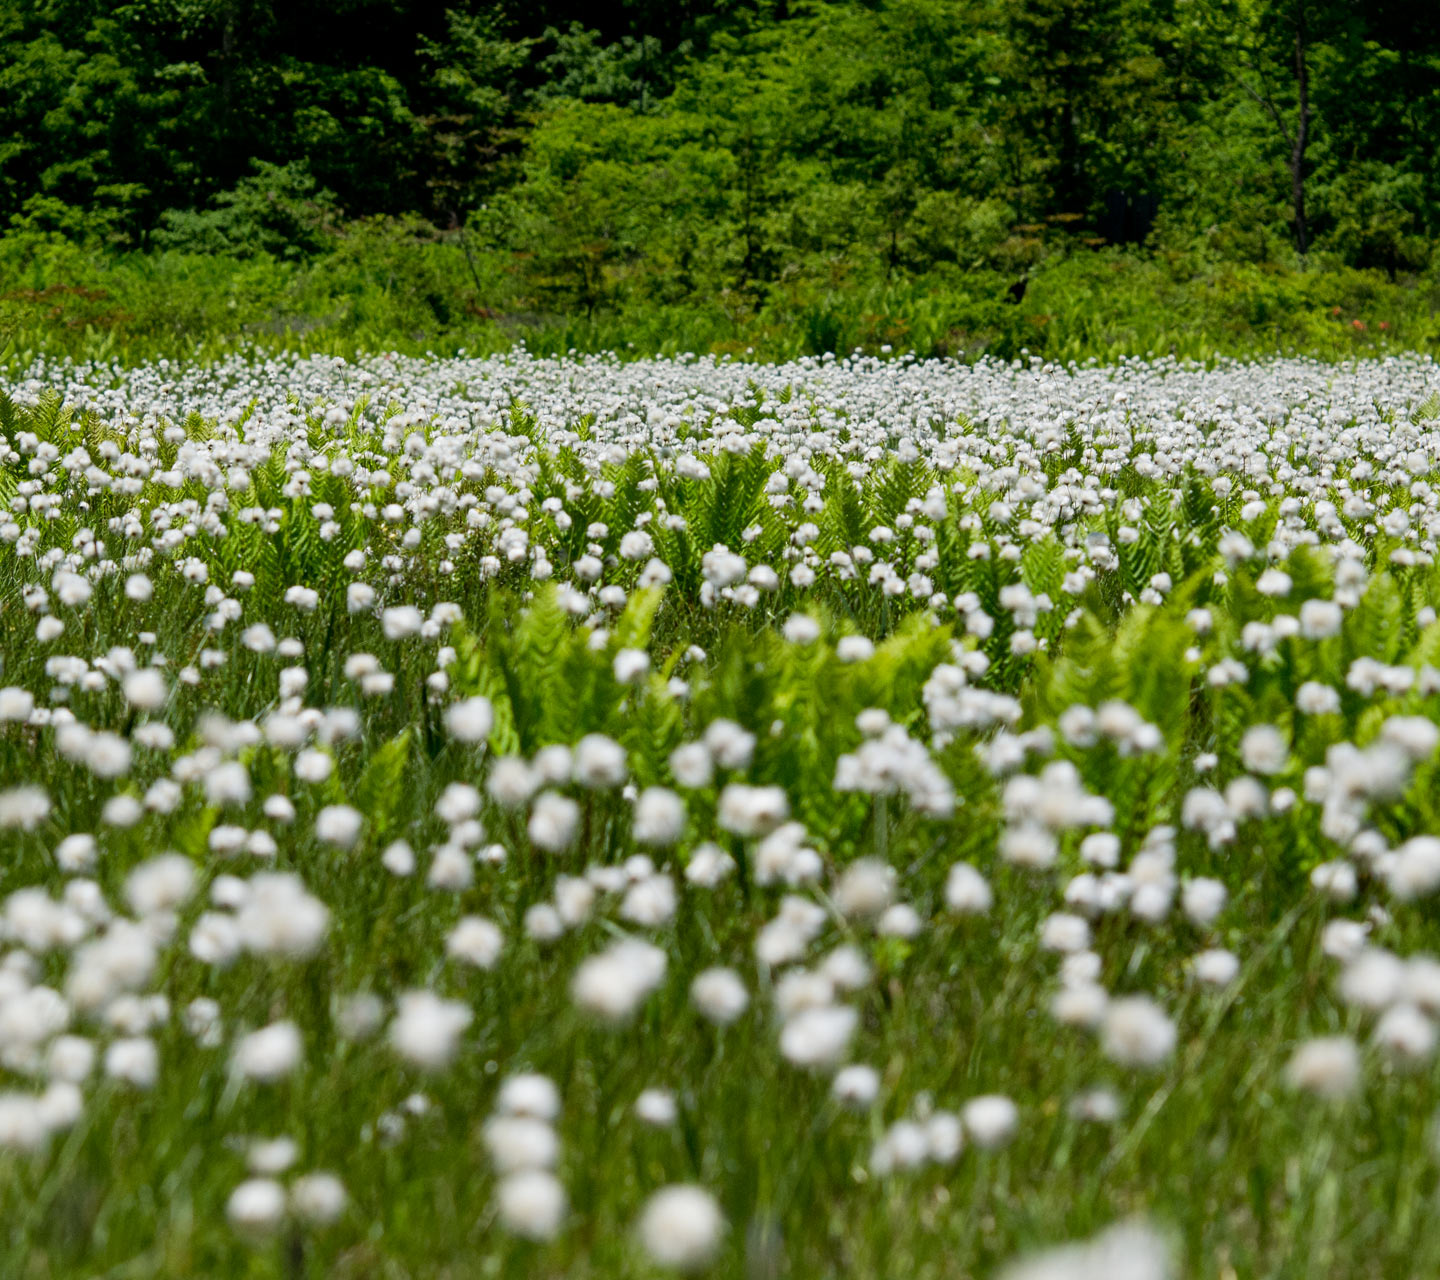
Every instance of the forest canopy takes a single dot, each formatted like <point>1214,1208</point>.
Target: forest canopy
<point>588,161</point>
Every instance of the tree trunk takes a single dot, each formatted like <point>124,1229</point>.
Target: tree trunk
<point>1302,137</point>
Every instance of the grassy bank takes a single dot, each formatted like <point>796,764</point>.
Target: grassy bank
<point>400,286</point>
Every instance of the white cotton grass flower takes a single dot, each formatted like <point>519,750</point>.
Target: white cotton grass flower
<point>904,1146</point>
<point>529,1094</point>
<point>203,1021</point>
<point>400,622</point>
<point>1064,932</point>
<point>899,920</point>
<point>475,941</point>
<point>657,1108</point>
<point>470,721</point>
<point>944,1136</point>
<point>856,1086</point>
<point>162,884</point>
<point>1344,940</point>
<point>1406,1034</point>
<point>70,1058</point>
<point>1372,979</point>
<point>145,689</point>
<point>865,889</point>
<point>513,781</point>
<point>23,1124</point>
<point>122,811</point>
<point>692,765</point>
<point>1264,750</point>
<point>553,822</point>
<point>599,762</point>
<point>24,808</point>
<point>681,1227</point>
<point>359,1016</point>
<point>720,995</point>
<point>270,1054</point>
<point>318,1198</point>
<point>967,892</point>
<point>1096,1106</point>
<point>61,1105</point>
<point>1137,1032</point>
<point>398,858</point>
<point>1080,967</point>
<point>1203,899</point>
<point>452,868</point>
<point>426,1029</point>
<point>339,825</point>
<point>516,1142</point>
<point>256,1206</point>
<point>800,989</point>
<point>1416,736</point>
<point>313,765</point>
<point>708,866</point>
<point>801,629</point>
<point>1328,1067</point>
<point>846,968</point>
<point>1338,881</point>
<point>659,817</point>
<point>1320,619</point>
<point>16,705</point>
<point>1414,872</point>
<point>1101,849</point>
<point>991,1120</point>
<point>612,984</point>
<point>650,902</point>
<point>818,1037</point>
<point>631,666</point>
<point>785,939</point>
<point>279,917</point>
<point>531,1204</point>
<point>134,1060</point>
<point>1127,1251</point>
<point>751,811</point>
<point>121,959</point>
<point>1029,845</point>
<point>1215,967</point>
<point>1080,1004</point>
<point>731,745</point>
<point>215,939</point>
<point>543,923</point>
<point>854,648</point>
<point>228,784</point>
<point>1315,699</point>
<point>1421,986</point>
<point>258,638</point>
<point>271,1156</point>
<point>278,808</point>
<point>574,900</point>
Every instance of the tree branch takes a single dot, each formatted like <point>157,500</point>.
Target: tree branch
<point>1265,101</point>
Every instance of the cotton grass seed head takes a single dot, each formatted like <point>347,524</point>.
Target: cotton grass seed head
<point>531,1204</point>
<point>681,1227</point>
<point>426,1029</point>
<point>1328,1067</point>
<point>256,1206</point>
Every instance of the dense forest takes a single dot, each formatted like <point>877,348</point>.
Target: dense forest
<point>949,175</point>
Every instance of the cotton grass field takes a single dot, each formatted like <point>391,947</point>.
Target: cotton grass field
<point>881,818</point>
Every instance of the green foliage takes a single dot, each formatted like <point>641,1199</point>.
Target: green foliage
<point>277,210</point>
<point>1167,678</point>
<point>915,174</point>
<point>381,785</point>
